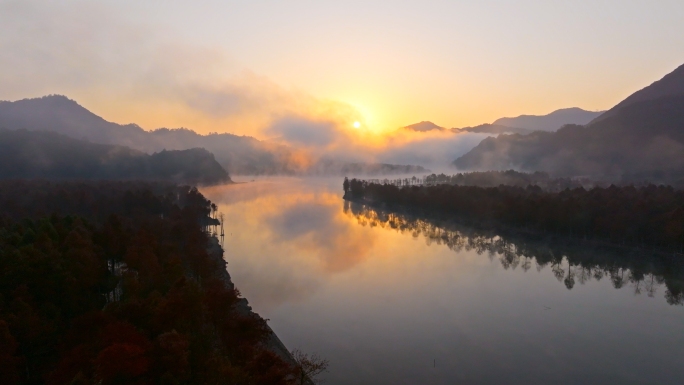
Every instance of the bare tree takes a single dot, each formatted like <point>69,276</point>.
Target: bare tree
<point>308,367</point>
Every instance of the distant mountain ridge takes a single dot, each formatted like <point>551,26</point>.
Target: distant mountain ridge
<point>48,155</point>
<point>552,121</point>
<point>640,138</point>
<point>424,126</point>
<point>427,126</point>
<point>239,155</point>
<point>523,124</point>
<point>493,129</point>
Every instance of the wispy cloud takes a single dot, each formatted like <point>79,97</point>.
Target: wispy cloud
<point>128,72</point>
<point>88,50</point>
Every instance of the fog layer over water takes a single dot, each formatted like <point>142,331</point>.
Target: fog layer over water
<point>424,305</point>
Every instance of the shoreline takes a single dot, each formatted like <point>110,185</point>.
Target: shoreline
<point>274,344</point>
<point>510,231</point>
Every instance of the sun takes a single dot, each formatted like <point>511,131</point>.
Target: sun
<point>357,124</point>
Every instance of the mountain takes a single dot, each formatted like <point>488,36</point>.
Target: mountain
<point>424,126</point>
<point>49,155</point>
<point>493,129</point>
<point>238,154</point>
<point>550,122</point>
<point>640,138</point>
<point>241,155</point>
<point>523,124</point>
<point>670,85</point>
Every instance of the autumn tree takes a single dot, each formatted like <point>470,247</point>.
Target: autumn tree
<point>308,367</point>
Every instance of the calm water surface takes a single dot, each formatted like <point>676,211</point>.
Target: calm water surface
<point>387,306</point>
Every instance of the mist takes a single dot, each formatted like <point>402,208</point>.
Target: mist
<point>91,52</point>
<point>435,151</point>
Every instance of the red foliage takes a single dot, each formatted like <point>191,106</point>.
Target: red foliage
<point>120,362</point>
<point>170,355</point>
<point>137,296</point>
<point>269,369</point>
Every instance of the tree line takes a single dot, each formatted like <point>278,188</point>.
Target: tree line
<point>492,179</point>
<point>119,283</point>
<point>649,216</point>
<point>34,154</point>
<point>569,261</point>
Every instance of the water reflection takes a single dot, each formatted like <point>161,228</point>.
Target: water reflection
<point>314,227</point>
<point>571,262</point>
<point>305,229</point>
<point>383,294</point>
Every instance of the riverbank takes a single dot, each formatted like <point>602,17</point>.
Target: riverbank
<point>493,227</point>
<point>273,343</point>
<point>650,217</point>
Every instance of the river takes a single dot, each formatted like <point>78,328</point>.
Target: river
<point>392,300</point>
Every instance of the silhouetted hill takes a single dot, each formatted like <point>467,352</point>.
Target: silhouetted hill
<point>671,84</point>
<point>643,139</point>
<point>523,124</point>
<point>492,129</point>
<point>550,122</point>
<point>238,154</point>
<point>32,154</point>
<point>60,114</point>
<point>424,126</point>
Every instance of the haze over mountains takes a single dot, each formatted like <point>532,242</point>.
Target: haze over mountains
<point>238,154</point>
<point>427,126</point>
<point>495,129</point>
<point>523,124</point>
<point>242,155</point>
<point>552,121</point>
<point>424,126</point>
<point>48,155</point>
<point>641,137</point>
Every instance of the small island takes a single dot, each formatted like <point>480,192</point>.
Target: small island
<point>648,216</point>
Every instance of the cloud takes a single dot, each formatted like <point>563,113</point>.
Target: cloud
<point>319,228</point>
<point>95,54</point>
<point>242,93</point>
<point>305,131</point>
<point>302,224</point>
<point>301,219</point>
<point>127,72</point>
<point>431,150</point>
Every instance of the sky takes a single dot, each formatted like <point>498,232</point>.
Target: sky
<point>248,66</point>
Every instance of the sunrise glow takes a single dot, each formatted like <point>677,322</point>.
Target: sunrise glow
<point>415,192</point>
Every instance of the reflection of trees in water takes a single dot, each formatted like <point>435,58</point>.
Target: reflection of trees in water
<point>569,261</point>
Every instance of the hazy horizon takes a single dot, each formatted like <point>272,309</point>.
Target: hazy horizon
<point>266,70</point>
<point>297,192</point>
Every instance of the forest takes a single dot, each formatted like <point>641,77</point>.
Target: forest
<point>508,178</point>
<point>119,283</point>
<point>34,154</point>
<point>570,262</point>
<point>647,217</point>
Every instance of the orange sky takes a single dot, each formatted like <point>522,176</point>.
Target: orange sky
<point>230,66</point>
